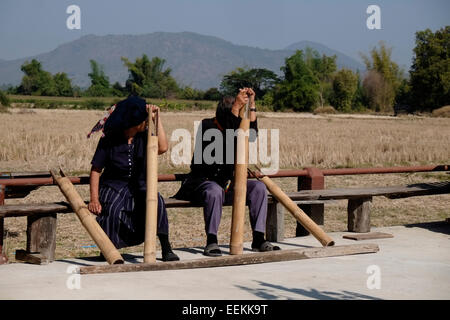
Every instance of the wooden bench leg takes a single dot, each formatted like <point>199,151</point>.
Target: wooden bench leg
<point>315,180</point>
<point>315,212</point>
<point>3,257</point>
<point>359,214</point>
<point>275,222</point>
<point>41,240</point>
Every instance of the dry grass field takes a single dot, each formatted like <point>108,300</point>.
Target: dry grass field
<point>37,140</point>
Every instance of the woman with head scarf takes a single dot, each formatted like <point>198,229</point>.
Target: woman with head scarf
<point>208,183</point>
<point>118,176</point>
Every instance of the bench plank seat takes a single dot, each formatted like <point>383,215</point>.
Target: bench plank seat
<point>302,197</point>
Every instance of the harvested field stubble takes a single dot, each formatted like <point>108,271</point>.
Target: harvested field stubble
<point>47,139</point>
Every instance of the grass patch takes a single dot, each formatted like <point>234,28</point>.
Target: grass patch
<point>101,103</point>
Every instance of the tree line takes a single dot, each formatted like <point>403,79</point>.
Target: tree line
<point>309,80</point>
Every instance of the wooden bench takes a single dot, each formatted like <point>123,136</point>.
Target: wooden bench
<point>41,224</point>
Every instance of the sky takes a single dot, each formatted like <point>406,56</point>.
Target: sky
<point>30,27</point>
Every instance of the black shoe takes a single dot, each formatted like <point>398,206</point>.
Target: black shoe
<point>212,250</point>
<point>264,247</point>
<point>170,256</point>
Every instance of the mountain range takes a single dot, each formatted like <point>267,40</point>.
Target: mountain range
<point>196,60</point>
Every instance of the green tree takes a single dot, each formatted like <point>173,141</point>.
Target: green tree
<point>384,73</point>
<point>189,93</point>
<point>63,85</point>
<point>345,84</point>
<point>212,94</point>
<point>322,67</point>
<point>148,78</point>
<point>359,101</point>
<point>36,81</point>
<point>100,86</point>
<point>378,92</point>
<point>118,90</point>
<point>300,87</point>
<point>260,80</point>
<point>430,71</point>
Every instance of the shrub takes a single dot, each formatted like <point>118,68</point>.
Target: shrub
<point>4,100</point>
<point>324,110</point>
<point>443,112</point>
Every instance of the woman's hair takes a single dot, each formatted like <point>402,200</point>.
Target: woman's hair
<point>224,108</point>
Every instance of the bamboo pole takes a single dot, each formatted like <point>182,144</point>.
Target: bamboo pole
<point>293,208</point>
<point>240,186</point>
<point>88,221</point>
<point>151,212</point>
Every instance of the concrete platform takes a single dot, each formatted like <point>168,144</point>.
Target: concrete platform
<point>415,264</point>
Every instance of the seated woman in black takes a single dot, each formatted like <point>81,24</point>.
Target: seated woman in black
<point>118,195</point>
<point>208,184</point>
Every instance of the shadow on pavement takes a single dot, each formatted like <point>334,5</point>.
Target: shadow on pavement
<point>272,292</point>
<point>129,258</point>
<point>437,226</point>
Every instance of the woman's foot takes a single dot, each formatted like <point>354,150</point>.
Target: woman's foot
<point>169,256</point>
<point>167,253</point>
<point>264,247</point>
<point>212,250</point>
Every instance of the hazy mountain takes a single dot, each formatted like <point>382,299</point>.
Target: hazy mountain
<point>342,60</point>
<point>196,60</point>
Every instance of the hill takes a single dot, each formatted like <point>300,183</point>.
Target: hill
<point>196,60</point>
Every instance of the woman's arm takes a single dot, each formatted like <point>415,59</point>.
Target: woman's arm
<point>163,146</point>
<point>94,205</point>
<point>251,95</point>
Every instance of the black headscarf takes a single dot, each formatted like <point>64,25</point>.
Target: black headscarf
<point>128,113</point>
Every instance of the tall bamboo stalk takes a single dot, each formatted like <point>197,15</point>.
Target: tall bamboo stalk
<point>240,186</point>
<point>151,212</point>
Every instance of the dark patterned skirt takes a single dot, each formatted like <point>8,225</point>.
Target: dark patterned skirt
<point>123,216</point>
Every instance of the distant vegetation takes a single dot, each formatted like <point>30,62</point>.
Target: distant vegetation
<point>309,81</point>
<point>4,101</point>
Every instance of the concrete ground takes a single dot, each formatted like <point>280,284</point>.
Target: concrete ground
<point>415,264</point>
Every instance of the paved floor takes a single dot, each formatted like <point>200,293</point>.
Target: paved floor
<point>415,264</point>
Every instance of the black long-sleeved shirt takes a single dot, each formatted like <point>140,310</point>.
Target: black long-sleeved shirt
<point>221,171</point>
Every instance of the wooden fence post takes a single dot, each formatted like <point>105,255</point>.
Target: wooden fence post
<point>315,180</point>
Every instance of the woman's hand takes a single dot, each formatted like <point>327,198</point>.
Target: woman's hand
<point>242,98</point>
<point>95,207</point>
<point>153,109</point>
<point>240,101</point>
<point>251,95</point>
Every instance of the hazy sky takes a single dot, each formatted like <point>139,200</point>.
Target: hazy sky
<point>29,27</point>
